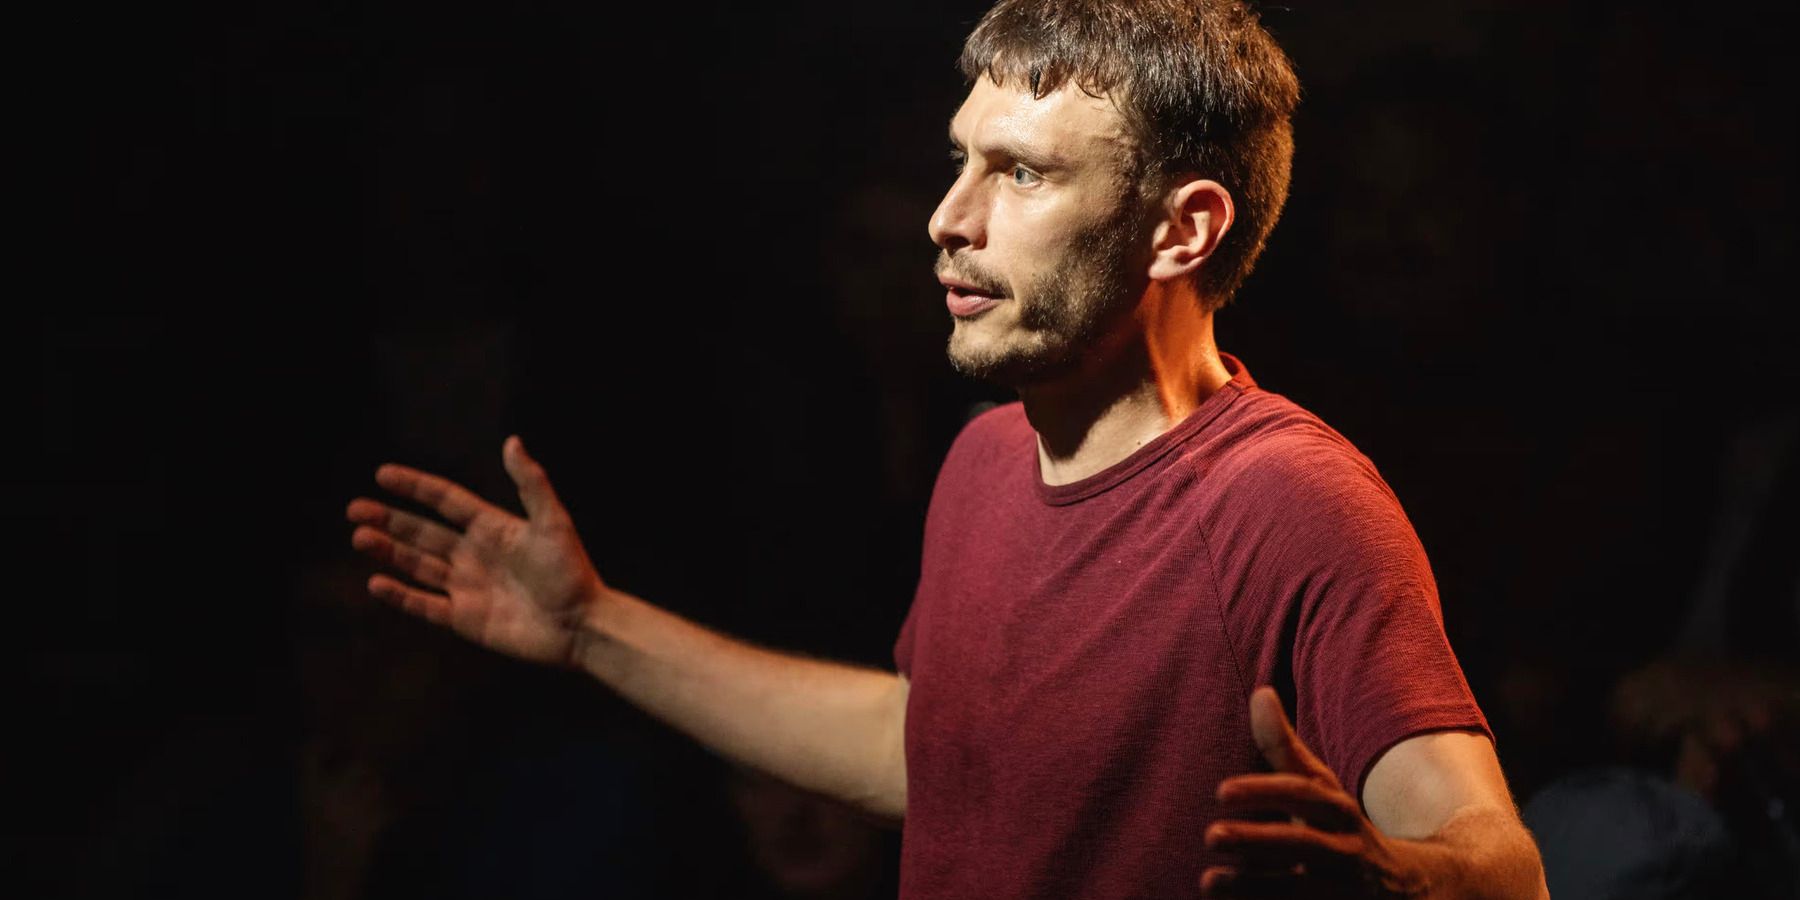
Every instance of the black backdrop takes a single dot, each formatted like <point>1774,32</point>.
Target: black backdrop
<point>1534,264</point>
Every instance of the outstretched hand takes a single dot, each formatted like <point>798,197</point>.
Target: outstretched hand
<point>1327,848</point>
<point>518,585</point>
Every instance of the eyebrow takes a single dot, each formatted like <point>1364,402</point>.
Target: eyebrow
<point>1040,160</point>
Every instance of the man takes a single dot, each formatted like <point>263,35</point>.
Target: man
<point>1112,566</point>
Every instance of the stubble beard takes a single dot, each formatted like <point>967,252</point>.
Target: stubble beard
<point>1064,313</point>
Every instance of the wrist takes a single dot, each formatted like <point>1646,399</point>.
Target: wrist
<point>1419,869</point>
<point>1435,869</point>
<point>1480,854</point>
<point>595,624</point>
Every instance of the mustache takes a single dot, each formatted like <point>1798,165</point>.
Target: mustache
<point>968,271</point>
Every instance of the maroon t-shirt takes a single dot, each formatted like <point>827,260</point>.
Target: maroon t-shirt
<point>1082,655</point>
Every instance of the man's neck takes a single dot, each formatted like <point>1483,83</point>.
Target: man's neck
<point>1143,382</point>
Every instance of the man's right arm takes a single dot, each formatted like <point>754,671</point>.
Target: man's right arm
<point>525,587</point>
<point>826,727</point>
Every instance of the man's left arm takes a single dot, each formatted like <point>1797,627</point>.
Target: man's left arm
<point>1440,823</point>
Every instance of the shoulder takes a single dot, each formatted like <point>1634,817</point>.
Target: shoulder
<point>1270,449</point>
<point>1291,491</point>
<point>989,435</point>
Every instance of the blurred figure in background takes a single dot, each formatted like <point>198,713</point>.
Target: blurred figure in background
<point>1704,803</point>
<point>1704,797</point>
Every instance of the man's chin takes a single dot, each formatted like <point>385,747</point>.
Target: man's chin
<point>1006,367</point>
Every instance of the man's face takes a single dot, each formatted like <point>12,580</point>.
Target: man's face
<point>1044,245</point>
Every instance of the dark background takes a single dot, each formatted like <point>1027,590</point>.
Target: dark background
<point>1535,264</point>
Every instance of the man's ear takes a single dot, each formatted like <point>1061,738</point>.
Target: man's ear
<point>1196,214</point>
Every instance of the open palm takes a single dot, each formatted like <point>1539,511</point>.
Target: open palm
<point>517,585</point>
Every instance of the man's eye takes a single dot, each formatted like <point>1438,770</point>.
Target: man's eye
<point>958,160</point>
<point>1022,176</point>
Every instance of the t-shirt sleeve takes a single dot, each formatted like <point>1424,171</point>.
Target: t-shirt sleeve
<point>1331,588</point>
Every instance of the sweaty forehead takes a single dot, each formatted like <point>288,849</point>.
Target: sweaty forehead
<point>1066,124</point>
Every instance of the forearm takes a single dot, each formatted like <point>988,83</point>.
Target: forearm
<point>1480,854</point>
<point>827,727</point>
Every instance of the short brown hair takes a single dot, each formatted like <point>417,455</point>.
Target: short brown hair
<point>1202,87</point>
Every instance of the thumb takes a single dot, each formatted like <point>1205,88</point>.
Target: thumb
<point>1276,738</point>
<point>534,486</point>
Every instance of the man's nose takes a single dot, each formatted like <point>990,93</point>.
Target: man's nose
<point>958,220</point>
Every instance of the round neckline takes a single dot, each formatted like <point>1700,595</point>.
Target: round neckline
<point>1154,449</point>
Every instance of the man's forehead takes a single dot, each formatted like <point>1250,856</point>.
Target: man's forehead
<point>1068,119</point>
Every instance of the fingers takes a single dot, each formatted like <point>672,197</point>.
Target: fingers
<point>1267,846</point>
<point>454,502</point>
<point>424,568</point>
<point>1321,805</point>
<point>534,485</point>
<point>1276,738</point>
<point>1240,884</point>
<point>428,606</point>
<point>418,531</point>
